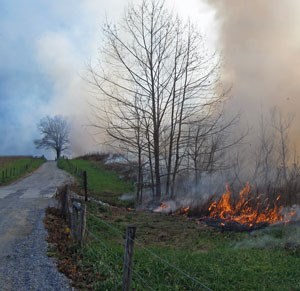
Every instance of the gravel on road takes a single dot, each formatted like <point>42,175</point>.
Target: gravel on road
<point>24,264</point>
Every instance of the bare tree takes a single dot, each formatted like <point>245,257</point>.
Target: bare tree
<point>55,134</point>
<point>156,77</point>
<point>265,154</point>
<point>282,125</point>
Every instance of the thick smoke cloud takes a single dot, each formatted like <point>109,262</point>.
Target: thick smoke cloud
<point>260,43</point>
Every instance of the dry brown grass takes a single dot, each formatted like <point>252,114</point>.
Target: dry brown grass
<point>6,160</point>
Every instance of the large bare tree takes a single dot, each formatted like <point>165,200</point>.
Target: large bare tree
<point>55,134</point>
<point>156,80</point>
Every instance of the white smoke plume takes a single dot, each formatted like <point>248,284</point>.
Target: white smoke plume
<point>260,43</point>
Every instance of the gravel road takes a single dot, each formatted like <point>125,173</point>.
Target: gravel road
<point>24,264</point>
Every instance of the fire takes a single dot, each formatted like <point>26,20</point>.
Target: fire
<point>246,210</point>
<point>184,210</point>
<point>163,205</point>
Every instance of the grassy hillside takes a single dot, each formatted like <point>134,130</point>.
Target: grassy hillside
<point>103,184</point>
<point>15,167</point>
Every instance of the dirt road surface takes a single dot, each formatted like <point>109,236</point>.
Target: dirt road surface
<point>24,264</point>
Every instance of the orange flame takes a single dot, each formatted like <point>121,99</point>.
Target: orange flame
<point>185,210</point>
<point>246,210</point>
<point>163,205</point>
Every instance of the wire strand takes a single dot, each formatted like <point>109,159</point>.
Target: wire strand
<point>134,271</point>
<point>155,255</point>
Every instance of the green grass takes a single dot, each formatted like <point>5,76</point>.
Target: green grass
<point>102,184</point>
<point>13,168</point>
<point>204,253</point>
<point>220,261</point>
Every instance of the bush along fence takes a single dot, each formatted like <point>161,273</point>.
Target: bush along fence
<point>75,211</point>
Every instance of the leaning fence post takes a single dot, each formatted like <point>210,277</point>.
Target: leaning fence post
<point>127,265</point>
<point>85,185</point>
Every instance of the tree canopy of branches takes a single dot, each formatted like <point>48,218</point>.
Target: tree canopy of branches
<point>55,134</point>
<point>158,85</point>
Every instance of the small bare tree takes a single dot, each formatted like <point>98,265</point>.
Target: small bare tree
<point>55,134</point>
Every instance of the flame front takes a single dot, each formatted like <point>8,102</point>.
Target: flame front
<point>246,210</point>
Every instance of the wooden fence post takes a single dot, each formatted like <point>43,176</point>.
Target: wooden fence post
<point>127,265</point>
<point>65,202</point>
<point>83,224</point>
<point>85,185</point>
<point>78,221</point>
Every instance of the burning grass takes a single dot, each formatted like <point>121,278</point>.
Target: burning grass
<point>247,209</point>
<point>244,212</point>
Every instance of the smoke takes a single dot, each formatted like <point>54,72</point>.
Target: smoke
<point>63,56</point>
<point>260,44</point>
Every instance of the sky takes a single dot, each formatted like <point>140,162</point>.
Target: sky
<point>44,50</point>
<point>45,47</point>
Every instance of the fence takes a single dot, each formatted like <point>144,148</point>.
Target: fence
<point>80,174</point>
<point>13,172</point>
<point>75,212</point>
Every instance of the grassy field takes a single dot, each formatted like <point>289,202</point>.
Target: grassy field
<point>175,252</point>
<point>102,184</point>
<point>220,261</point>
<point>15,167</point>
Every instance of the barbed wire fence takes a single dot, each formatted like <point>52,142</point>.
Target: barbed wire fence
<point>120,266</point>
<point>156,256</point>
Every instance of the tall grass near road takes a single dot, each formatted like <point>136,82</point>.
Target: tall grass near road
<point>103,184</point>
<point>15,167</point>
